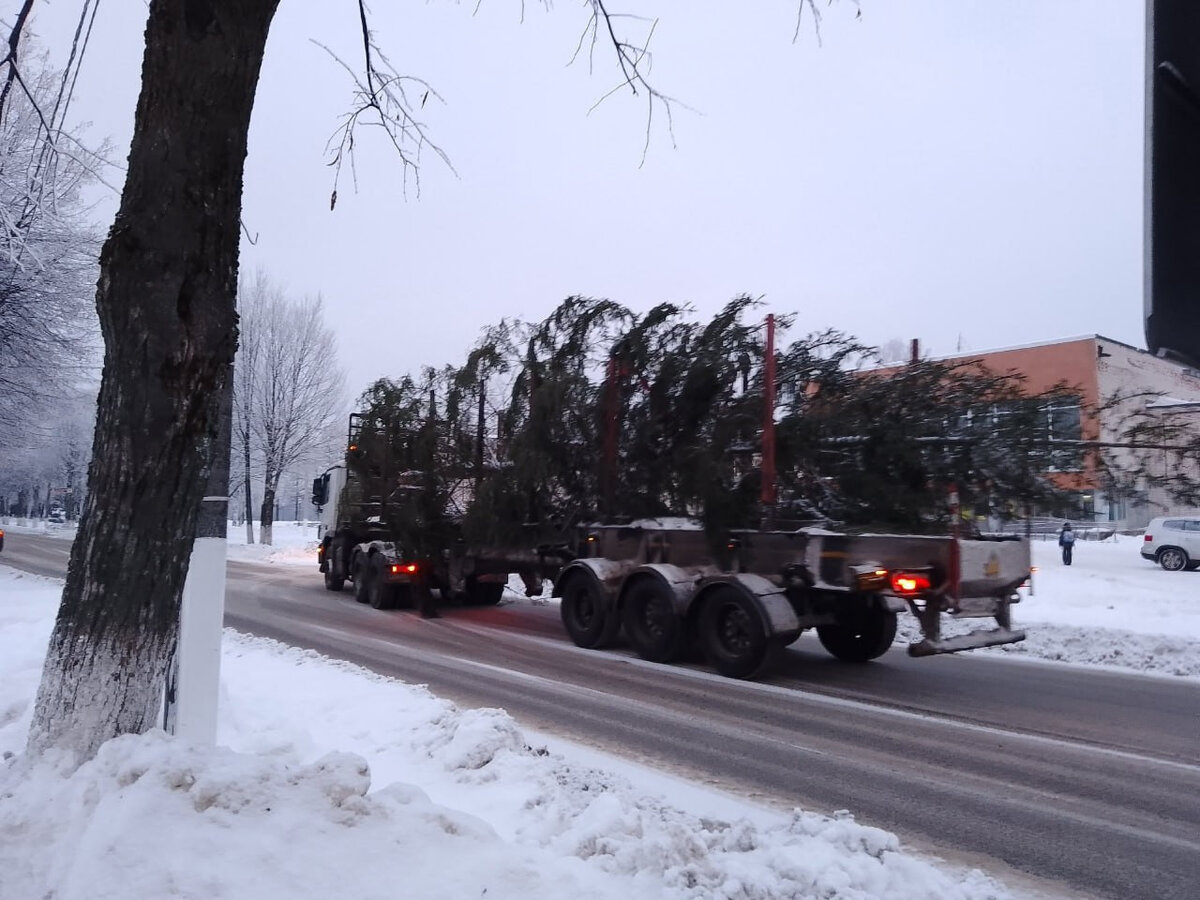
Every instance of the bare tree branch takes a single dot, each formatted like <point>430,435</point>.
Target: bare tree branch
<point>816,13</point>
<point>383,97</point>
<point>634,60</point>
<point>10,59</point>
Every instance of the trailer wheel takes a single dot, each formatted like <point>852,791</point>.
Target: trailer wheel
<point>361,570</point>
<point>867,638</point>
<point>484,593</point>
<point>586,615</point>
<point>733,637</point>
<point>652,626</point>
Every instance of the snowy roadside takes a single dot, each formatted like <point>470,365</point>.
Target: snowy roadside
<point>333,781</point>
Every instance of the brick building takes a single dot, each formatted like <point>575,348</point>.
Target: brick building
<point>1100,369</point>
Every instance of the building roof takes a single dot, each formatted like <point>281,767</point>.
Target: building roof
<point>1035,344</point>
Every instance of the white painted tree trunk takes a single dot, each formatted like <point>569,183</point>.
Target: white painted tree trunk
<point>193,713</point>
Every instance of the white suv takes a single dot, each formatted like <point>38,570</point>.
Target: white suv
<point>1173,542</point>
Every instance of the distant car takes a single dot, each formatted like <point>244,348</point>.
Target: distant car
<point>57,515</point>
<point>1173,542</point>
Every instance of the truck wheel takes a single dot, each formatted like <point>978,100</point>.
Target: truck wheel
<point>587,616</point>
<point>732,635</point>
<point>652,626</point>
<point>865,639</point>
<point>362,576</point>
<point>380,594</point>
<point>335,575</point>
<point>335,578</point>
<point>1172,559</point>
<point>484,593</point>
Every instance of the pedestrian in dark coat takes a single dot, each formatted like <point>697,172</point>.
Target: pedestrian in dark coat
<point>1066,540</point>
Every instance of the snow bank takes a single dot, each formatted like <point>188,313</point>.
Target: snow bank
<point>332,781</point>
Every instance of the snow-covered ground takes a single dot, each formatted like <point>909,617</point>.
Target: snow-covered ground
<point>330,781</point>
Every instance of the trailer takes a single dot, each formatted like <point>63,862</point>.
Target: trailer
<point>670,590</point>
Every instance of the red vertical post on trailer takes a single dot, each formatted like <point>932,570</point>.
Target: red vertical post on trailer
<point>611,434</point>
<point>768,425</point>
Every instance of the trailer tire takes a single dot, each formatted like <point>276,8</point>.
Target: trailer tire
<point>361,570</point>
<point>867,638</point>
<point>484,593</point>
<point>654,630</point>
<point>732,635</point>
<point>586,615</point>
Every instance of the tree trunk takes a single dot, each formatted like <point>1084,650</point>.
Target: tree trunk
<point>168,278</point>
<point>246,484</point>
<point>266,517</point>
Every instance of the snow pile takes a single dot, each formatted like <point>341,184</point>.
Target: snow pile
<point>314,794</point>
<point>293,543</point>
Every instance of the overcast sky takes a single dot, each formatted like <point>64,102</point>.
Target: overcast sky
<point>968,172</point>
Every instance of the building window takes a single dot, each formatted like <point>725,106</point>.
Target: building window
<point>1064,422</point>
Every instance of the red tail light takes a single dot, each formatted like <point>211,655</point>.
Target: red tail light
<point>404,569</point>
<point>1149,537</point>
<point>910,582</point>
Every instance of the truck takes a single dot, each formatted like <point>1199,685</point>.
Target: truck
<point>672,587</point>
<point>373,535</point>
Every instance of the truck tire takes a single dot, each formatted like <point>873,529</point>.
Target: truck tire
<point>586,615</point>
<point>335,569</point>
<point>361,570</point>
<point>484,593</point>
<point>380,594</point>
<point>867,638</point>
<point>335,577</point>
<point>654,630</point>
<point>733,637</point>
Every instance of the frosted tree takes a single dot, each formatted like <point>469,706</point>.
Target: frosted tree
<point>47,255</point>
<point>293,388</point>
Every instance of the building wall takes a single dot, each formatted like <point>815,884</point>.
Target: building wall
<point>1044,366</point>
<point>1100,369</point>
<point>1072,363</point>
<point>1137,377</point>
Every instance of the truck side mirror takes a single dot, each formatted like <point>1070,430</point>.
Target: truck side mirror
<point>320,490</point>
